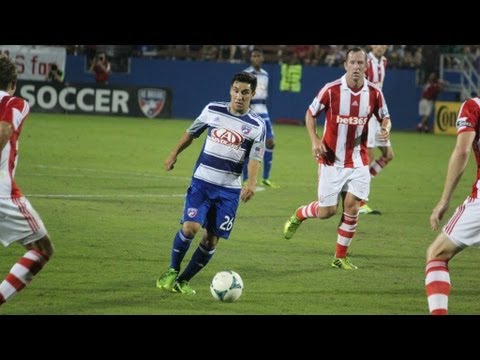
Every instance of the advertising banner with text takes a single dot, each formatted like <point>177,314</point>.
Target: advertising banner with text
<point>151,102</point>
<point>33,61</point>
<point>446,113</point>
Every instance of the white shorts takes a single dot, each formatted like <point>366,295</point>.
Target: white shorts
<point>463,228</point>
<point>19,222</point>
<point>334,180</point>
<point>425,107</point>
<point>373,129</point>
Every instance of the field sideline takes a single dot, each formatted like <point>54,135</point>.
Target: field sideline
<point>112,212</point>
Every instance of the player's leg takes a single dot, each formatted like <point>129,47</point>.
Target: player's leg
<point>373,129</point>
<point>461,231</point>
<point>23,219</point>
<point>357,186</point>
<point>425,108</point>
<point>268,156</point>
<point>194,213</point>
<point>219,224</point>
<point>437,276</point>
<point>346,231</point>
<point>329,186</point>
<point>379,164</point>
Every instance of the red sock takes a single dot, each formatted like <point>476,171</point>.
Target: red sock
<point>346,231</point>
<point>437,284</point>
<point>307,211</point>
<point>22,273</point>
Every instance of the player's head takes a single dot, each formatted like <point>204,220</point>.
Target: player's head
<point>8,75</point>
<point>256,58</point>
<point>355,63</point>
<point>242,89</point>
<point>379,50</point>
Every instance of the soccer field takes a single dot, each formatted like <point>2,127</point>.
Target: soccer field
<point>112,211</point>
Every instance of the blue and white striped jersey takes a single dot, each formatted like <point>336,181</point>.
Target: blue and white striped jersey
<point>259,101</point>
<point>229,139</point>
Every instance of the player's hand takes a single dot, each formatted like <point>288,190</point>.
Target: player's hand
<point>437,214</point>
<point>170,162</point>
<point>319,150</point>
<point>247,193</point>
<point>383,134</point>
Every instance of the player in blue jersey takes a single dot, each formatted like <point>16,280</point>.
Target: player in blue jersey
<point>259,105</point>
<point>234,132</point>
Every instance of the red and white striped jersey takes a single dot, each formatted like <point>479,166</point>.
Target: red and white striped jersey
<point>469,120</point>
<point>376,69</point>
<point>13,110</point>
<point>347,113</point>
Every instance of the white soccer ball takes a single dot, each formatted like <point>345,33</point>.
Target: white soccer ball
<point>226,286</point>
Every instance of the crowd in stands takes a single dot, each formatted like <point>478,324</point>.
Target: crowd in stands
<point>424,57</point>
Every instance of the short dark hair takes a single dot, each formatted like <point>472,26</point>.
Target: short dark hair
<point>245,77</point>
<point>8,72</point>
<point>355,49</point>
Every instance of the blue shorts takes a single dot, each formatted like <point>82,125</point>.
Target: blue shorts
<point>212,206</point>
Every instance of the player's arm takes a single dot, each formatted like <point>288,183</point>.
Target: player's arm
<point>456,167</point>
<point>318,147</point>
<point>184,142</point>
<point>6,131</point>
<point>249,189</point>
<point>385,127</point>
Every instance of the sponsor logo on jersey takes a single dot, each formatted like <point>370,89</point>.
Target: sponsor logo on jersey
<point>227,137</point>
<point>351,120</point>
<point>192,212</point>
<point>151,101</point>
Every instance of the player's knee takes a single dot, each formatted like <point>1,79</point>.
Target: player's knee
<point>190,229</point>
<point>44,245</point>
<point>209,241</point>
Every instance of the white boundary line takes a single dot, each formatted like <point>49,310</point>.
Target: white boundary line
<point>85,196</point>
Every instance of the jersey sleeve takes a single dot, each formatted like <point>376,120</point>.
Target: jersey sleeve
<point>468,116</point>
<point>16,110</point>
<point>200,124</point>
<point>320,102</point>
<point>258,147</point>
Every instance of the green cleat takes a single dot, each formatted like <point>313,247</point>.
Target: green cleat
<point>268,183</point>
<point>343,263</point>
<point>183,287</point>
<point>291,226</point>
<point>365,209</point>
<point>166,281</point>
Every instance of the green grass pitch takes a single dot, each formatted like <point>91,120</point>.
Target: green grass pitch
<point>112,211</point>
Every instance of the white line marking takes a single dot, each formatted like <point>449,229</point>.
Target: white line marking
<point>79,196</point>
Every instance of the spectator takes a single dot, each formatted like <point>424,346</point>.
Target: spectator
<point>101,67</point>
<point>55,74</point>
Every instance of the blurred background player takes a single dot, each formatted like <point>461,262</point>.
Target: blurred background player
<point>430,91</point>
<point>349,103</point>
<point>20,222</point>
<point>259,105</point>
<point>233,132</point>
<point>463,228</point>
<point>376,70</point>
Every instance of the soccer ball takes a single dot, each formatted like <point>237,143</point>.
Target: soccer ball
<point>226,286</point>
